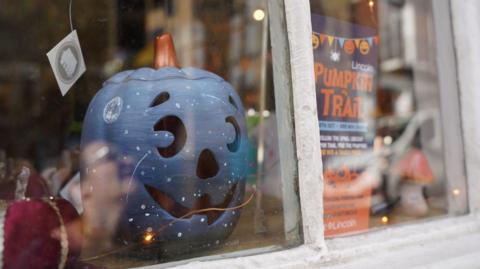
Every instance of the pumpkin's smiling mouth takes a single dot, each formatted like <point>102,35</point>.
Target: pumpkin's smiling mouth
<point>203,202</point>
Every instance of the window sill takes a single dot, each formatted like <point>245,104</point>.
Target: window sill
<point>456,240</point>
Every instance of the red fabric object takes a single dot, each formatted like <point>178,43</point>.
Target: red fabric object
<point>37,188</point>
<point>32,231</point>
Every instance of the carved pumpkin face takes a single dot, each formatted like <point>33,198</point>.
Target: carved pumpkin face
<point>364,47</point>
<point>349,47</point>
<point>185,130</point>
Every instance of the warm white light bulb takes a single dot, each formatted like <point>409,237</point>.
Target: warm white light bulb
<point>371,3</point>
<point>387,140</point>
<point>258,14</point>
<point>148,237</point>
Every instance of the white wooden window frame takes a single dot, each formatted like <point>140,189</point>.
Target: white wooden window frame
<point>446,242</point>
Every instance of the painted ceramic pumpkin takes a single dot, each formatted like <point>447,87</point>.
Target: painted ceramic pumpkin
<point>185,130</point>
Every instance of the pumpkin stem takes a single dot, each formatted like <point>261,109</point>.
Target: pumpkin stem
<point>164,54</point>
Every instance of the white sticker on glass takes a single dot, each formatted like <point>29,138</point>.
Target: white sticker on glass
<point>67,62</point>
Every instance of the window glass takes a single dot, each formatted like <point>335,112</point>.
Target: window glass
<point>379,114</point>
<point>156,164</point>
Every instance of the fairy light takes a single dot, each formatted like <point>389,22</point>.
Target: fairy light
<point>258,14</point>
<point>387,140</point>
<point>371,3</point>
<point>148,237</point>
<point>456,192</point>
<point>385,220</point>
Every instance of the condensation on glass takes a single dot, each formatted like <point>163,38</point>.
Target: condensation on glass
<point>379,109</point>
<point>174,163</point>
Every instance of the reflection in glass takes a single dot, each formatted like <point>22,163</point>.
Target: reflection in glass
<point>163,138</point>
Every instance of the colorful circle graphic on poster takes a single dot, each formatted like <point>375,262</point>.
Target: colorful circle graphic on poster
<point>315,41</point>
<point>364,47</point>
<point>349,47</point>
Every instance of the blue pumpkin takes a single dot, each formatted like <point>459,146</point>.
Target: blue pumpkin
<point>185,130</point>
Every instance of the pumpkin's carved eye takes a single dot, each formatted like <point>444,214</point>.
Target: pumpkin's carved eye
<point>232,101</point>
<point>160,99</point>
<point>175,126</point>
<point>233,147</point>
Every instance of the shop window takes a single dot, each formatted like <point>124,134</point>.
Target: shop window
<point>381,115</point>
<point>161,164</point>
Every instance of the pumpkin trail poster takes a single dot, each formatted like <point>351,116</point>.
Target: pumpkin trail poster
<point>345,68</point>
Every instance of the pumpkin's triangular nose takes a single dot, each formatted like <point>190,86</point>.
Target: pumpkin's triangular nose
<point>207,165</point>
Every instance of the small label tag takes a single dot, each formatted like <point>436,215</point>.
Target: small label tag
<point>67,62</point>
